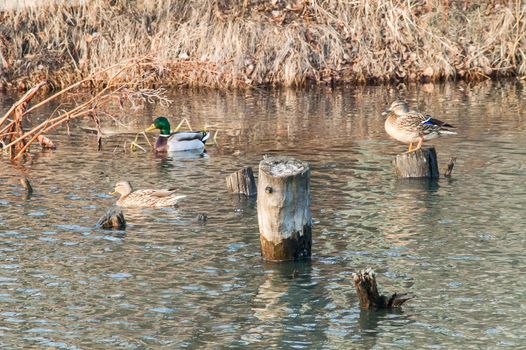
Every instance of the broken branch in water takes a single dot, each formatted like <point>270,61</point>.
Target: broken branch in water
<point>367,290</point>
<point>450,166</point>
<point>17,141</point>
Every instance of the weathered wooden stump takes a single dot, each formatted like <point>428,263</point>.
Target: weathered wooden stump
<point>284,215</point>
<point>242,181</point>
<point>112,219</point>
<point>421,163</point>
<point>367,290</point>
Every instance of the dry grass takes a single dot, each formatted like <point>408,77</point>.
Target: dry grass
<point>226,43</point>
<point>119,83</point>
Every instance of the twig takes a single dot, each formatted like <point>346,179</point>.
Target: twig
<point>22,140</point>
<point>181,123</point>
<point>27,96</point>
<point>135,144</point>
<point>147,140</point>
<point>91,77</point>
<point>450,166</point>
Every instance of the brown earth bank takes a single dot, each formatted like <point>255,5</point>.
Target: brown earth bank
<point>230,44</point>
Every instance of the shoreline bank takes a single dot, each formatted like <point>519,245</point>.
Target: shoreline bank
<point>230,44</point>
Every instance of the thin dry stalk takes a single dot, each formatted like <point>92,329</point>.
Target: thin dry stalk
<point>18,142</point>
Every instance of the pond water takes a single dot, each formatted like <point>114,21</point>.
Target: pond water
<point>170,282</point>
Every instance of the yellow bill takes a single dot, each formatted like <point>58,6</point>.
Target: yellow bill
<point>150,128</point>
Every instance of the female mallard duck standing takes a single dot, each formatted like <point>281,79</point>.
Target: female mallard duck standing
<point>177,141</point>
<point>144,198</point>
<point>411,126</point>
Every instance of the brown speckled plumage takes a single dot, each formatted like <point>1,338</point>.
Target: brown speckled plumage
<point>410,126</point>
<point>145,198</point>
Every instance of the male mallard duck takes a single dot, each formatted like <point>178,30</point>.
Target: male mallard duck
<point>144,198</point>
<point>177,141</point>
<point>411,126</point>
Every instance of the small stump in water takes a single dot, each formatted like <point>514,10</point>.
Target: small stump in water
<point>284,215</point>
<point>365,283</point>
<point>420,163</point>
<point>242,181</point>
<point>112,219</point>
<point>27,185</point>
<point>201,218</point>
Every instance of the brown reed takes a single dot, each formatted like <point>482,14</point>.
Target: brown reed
<point>121,81</point>
<point>227,43</point>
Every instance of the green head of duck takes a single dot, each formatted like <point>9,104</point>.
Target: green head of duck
<point>162,124</point>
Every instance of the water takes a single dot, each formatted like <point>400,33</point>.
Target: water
<point>171,282</point>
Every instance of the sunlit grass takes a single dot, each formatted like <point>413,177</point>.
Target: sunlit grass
<point>252,42</point>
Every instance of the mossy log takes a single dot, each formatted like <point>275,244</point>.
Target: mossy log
<point>112,219</point>
<point>284,215</point>
<point>242,181</point>
<point>422,163</point>
<point>367,290</point>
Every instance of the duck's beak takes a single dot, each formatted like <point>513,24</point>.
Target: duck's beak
<point>150,128</point>
<point>112,193</point>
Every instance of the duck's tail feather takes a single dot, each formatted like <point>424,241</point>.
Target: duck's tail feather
<point>206,136</point>
<point>447,132</point>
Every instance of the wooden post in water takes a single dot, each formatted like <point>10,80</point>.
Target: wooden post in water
<point>242,181</point>
<point>284,215</point>
<point>421,163</point>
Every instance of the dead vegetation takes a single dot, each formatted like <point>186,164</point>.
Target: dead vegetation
<point>226,43</point>
<point>116,85</point>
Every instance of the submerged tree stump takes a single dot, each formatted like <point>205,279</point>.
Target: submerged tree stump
<point>242,181</point>
<point>421,163</point>
<point>367,290</point>
<point>112,219</point>
<point>284,215</point>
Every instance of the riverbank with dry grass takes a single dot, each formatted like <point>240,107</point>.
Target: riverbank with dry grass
<point>247,43</point>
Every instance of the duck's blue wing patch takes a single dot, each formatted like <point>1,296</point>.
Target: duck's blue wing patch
<point>429,121</point>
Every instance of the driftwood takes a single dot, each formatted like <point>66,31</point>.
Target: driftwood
<point>284,215</point>
<point>242,181</point>
<point>112,219</point>
<point>367,290</point>
<point>417,164</point>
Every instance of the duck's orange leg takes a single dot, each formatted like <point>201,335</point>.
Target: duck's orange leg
<point>419,145</point>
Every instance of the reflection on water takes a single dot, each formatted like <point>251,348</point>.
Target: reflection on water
<point>171,281</point>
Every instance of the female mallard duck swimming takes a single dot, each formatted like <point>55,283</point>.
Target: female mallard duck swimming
<point>177,141</point>
<point>144,198</point>
<point>411,126</point>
